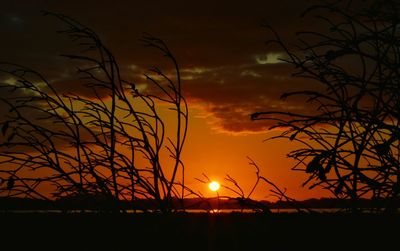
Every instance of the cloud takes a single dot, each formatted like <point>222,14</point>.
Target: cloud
<point>220,48</point>
<point>195,72</point>
<point>250,73</point>
<point>270,58</point>
<point>227,97</point>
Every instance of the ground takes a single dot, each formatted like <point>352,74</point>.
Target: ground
<point>231,231</point>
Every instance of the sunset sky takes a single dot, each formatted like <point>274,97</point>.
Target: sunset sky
<point>228,72</point>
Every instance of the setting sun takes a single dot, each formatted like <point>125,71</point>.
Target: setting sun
<point>214,186</point>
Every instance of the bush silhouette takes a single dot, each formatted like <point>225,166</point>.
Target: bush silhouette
<point>113,144</point>
<point>351,140</point>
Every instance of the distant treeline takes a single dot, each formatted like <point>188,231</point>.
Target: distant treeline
<point>103,204</point>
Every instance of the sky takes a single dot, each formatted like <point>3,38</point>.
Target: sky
<point>228,72</point>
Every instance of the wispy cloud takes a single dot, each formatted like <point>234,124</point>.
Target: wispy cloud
<point>270,58</point>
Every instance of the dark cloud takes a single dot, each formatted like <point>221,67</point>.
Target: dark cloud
<point>220,46</point>
<point>230,94</point>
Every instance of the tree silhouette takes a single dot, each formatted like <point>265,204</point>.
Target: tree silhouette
<point>112,145</point>
<point>351,139</point>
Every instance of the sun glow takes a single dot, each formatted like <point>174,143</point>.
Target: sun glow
<point>214,186</point>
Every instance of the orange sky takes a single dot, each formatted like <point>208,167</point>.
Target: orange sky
<point>219,153</point>
<point>228,73</point>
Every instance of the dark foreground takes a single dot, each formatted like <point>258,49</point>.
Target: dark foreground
<point>199,232</point>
